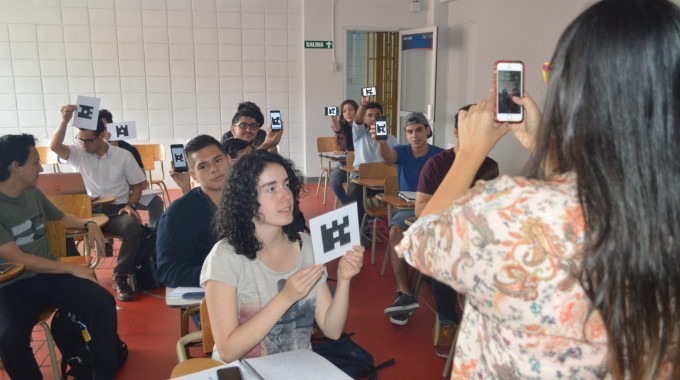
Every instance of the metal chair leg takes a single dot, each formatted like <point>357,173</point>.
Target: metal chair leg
<point>49,341</point>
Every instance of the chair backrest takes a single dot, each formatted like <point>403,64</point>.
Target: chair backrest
<point>79,205</point>
<point>149,154</point>
<point>56,237</point>
<point>350,159</point>
<point>376,170</point>
<point>392,185</point>
<point>61,184</point>
<point>48,157</point>
<point>208,341</point>
<point>326,144</point>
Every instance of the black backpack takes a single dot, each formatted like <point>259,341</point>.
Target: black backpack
<point>73,340</point>
<point>145,276</point>
<point>351,358</point>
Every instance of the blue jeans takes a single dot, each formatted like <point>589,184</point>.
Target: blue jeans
<point>445,300</point>
<point>21,304</point>
<point>338,177</point>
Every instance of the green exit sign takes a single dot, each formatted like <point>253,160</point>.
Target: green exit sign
<point>318,44</point>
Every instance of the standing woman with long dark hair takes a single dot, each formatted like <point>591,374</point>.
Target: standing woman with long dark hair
<point>573,271</point>
<point>264,291</point>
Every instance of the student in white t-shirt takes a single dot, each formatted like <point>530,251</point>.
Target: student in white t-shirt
<point>263,289</point>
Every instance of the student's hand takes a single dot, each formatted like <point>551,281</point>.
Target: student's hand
<point>273,138</point>
<point>130,211</point>
<point>478,133</point>
<point>182,179</point>
<point>350,264</point>
<point>371,130</point>
<point>67,112</point>
<point>365,100</point>
<point>95,235</point>
<point>525,132</point>
<point>83,272</point>
<point>301,282</point>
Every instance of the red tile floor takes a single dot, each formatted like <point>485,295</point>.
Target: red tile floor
<point>151,329</point>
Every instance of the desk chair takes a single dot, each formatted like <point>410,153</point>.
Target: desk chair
<point>372,207</point>
<point>449,359</point>
<point>190,365</point>
<point>324,144</point>
<point>48,158</point>
<point>56,239</point>
<point>152,153</point>
<point>349,163</point>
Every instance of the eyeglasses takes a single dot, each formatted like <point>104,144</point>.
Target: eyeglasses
<point>85,141</point>
<point>251,126</point>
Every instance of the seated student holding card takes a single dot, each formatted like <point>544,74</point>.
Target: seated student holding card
<point>264,291</point>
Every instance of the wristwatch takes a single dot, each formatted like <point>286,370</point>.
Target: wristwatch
<point>88,221</point>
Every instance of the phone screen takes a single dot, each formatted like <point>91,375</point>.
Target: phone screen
<point>330,111</point>
<point>178,159</point>
<point>229,373</point>
<point>275,116</point>
<point>381,128</point>
<point>509,83</point>
<point>369,91</point>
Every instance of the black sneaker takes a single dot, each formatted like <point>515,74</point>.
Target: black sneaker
<point>108,248</point>
<point>399,319</point>
<point>121,286</point>
<point>403,304</point>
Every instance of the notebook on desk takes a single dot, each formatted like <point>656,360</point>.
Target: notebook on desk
<point>408,196</point>
<point>61,184</point>
<point>298,365</point>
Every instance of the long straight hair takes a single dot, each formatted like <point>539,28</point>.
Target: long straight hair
<point>612,115</point>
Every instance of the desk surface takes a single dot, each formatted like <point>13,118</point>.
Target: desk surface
<point>395,201</point>
<point>103,199</point>
<point>350,168</point>
<point>175,301</point>
<point>12,273</point>
<point>337,156</point>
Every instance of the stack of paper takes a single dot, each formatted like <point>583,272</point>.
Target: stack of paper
<point>408,196</point>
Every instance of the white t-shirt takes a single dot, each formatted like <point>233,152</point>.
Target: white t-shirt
<point>110,174</point>
<point>256,284</point>
<point>365,148</point>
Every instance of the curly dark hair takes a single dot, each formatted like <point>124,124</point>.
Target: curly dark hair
<point>239,205</point>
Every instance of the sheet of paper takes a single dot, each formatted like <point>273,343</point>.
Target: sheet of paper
<point>147,196</point>
<point>177,292</point>
<point>125,130</point>
<point>334,232</point>
<point>299,365</point>
<point>87,112</point>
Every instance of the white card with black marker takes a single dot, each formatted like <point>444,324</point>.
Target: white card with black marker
<point>125,130</point>
<point>87,113</point>
<point>334,233</point>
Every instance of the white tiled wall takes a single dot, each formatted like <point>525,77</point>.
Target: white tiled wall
<point>177,67</point>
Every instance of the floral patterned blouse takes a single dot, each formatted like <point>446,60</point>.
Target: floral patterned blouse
<point>512,246</point>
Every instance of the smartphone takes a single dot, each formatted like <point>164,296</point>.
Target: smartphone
<point>369,91</point>
<point>6,267</point>
<point>330,111</point>
<point>381,128</point>
<point>508,82</point>
<point>229,373</point>
<point>275,116</point>
<point>178,159</point>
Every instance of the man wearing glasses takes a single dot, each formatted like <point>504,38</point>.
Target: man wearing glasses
<point>107,170</point>
<point>246,124</point>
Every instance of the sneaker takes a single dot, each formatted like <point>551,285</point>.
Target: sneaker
<point>399,319</point>
<point>445,335</point>
<point>108,248</point>
<point>121,286</point>
<point>403,304</point>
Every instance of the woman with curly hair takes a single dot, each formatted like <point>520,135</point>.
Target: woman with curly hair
<point>574,270</point>
<point>263,289</point>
